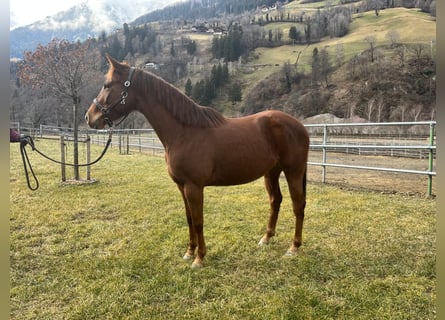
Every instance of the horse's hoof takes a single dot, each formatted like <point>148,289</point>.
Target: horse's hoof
<point>263,242</point>
<point>197,264</point>
<point>291,253</point>
<point>187,257</point>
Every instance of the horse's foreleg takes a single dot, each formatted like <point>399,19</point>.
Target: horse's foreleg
<point>194,196</point>
<point>297,189</point>
<point>275,197</point>
<point>193,240</point>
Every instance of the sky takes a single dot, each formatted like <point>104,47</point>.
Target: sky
<point>24,12</point>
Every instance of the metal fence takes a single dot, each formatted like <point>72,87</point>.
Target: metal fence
<point>391,139</point>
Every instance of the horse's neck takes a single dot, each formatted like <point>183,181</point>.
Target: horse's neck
<point>166,108</point>
<point>164,124</point>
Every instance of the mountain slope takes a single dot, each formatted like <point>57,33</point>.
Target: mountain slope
<point>88,19</point>
<point>399,84</point>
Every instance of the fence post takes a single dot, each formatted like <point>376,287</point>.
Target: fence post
<point>128,143</point>
<point>88,157</point>
<point>120,143</point>
<point>62,157</point>
<point>430,161</point>
<point>323,173</point>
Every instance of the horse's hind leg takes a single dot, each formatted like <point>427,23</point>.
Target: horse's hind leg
<point>271,180</point>
<point>297,188</point>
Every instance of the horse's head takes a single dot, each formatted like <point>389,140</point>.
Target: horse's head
<point>114,100</point>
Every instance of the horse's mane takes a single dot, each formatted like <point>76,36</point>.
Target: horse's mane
<point>179,105</point>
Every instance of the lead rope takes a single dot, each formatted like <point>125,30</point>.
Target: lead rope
<point>27,163</point>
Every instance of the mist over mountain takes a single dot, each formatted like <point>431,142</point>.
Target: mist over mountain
<point>88,19</point>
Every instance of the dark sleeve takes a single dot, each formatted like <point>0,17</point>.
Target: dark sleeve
<point>14,136</point>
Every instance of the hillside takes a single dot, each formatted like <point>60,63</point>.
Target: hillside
<point>400,87</point>
<point>382,69</point>
<point>387,89</point>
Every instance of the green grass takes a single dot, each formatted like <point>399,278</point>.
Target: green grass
<point>112,250</point>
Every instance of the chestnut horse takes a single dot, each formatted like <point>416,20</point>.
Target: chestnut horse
<point>204,148</point>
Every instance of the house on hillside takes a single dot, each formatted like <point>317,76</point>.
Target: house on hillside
<point>151,65</point>
<point>199,28</point>
<point>265,9</point>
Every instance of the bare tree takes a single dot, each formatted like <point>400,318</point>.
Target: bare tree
<point>370,108</point>
<point>400,51</point>
<point>380,107</point>
<point>62,68</point>
<point>418,50</point>
<point>375,5</point>
<point>325,65</point>
<point>352,67</point>
<point>393,37</point>
<point>351,110</point>
<point>371,40</point>
<point>399,113</point>
<point>340,53</point>
<point>420,53</point>
<point>416,111</point>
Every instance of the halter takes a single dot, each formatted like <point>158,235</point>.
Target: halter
<point>122,100</point>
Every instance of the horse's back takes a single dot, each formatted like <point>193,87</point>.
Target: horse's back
<point>283,127</point>
<point>287,134</point>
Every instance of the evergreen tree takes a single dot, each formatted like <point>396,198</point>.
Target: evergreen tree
<point>315,75</point>
<point>103,36</point>
<point>307,31</point>
<point>225,72</point>
<point>191,47</point>
<point>235,93</point>
<point>235,43</point>
<point>128,48</point>
<point>294,34</point>
<point>188,87</point>
<point>172,50</point>
<point>217,76</point>
<point>198,91</point>
<point>230,46</point>
<point>209,92</point>
<point>215,48</point>
<point>126,29</point>
<point>115,49</point>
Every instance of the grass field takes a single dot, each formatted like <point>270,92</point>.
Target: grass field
<point>112,250</point>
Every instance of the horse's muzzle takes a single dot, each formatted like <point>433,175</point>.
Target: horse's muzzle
<point>94,122</point>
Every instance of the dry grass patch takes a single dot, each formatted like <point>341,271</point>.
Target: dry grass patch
<point>112,250</point>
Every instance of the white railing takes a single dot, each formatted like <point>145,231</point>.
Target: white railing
<point>396,139</point>
<point>390,139</point>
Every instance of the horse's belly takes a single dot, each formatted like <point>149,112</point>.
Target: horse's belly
<point>233,168</point>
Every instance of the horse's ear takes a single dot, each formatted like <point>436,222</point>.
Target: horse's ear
<point>116,65</point>
<point>113,62</point>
